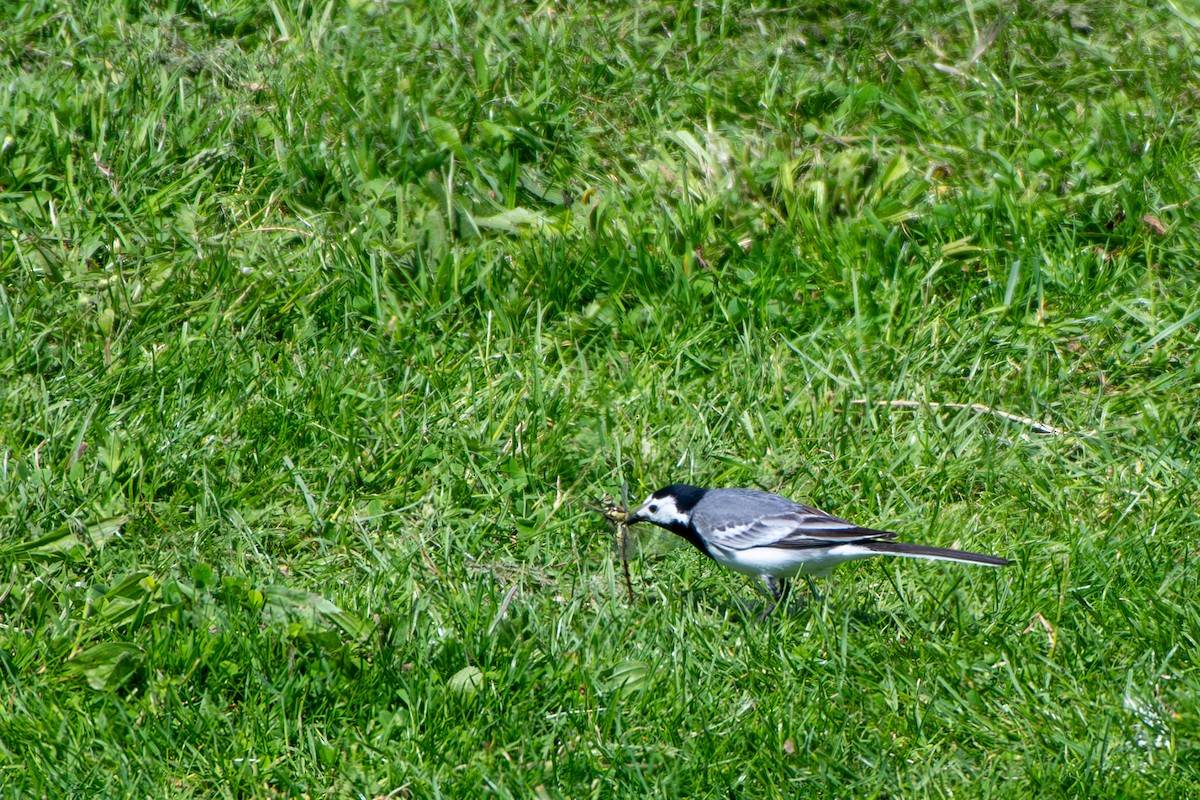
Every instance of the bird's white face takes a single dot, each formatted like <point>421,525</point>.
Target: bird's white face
<point>662,511</point>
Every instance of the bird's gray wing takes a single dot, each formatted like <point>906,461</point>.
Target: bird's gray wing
<point>800,528</point>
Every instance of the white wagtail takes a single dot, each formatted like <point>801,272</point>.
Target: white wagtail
<point>773,538</point>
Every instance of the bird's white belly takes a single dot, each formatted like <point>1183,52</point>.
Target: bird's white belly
<point>783,563</point>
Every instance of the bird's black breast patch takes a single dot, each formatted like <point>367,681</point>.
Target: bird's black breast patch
<point>689,533</point>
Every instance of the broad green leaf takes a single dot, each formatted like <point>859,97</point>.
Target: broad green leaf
<point>466,681</point>
<point>444,133</point>
<point>299,599</point>
<point>959,248</point>
<point>108,665</point>
<point>512,221</point>
<point>630,676</point>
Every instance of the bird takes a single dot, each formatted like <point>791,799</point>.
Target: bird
<point>773,538</point>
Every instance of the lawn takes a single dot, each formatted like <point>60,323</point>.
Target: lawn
<point>320,325</point>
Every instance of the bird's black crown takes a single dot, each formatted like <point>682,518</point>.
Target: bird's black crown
<point>686,497</point>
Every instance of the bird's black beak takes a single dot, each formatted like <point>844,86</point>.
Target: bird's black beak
<point>635,517</point>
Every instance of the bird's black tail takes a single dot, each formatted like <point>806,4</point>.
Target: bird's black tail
<point>932,553</point>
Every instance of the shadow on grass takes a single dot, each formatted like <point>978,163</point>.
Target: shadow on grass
<point>799,603</point>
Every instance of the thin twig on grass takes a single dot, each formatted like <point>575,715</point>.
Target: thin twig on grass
<point>1040,427</point>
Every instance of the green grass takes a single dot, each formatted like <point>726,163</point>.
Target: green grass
<point>319,323</point>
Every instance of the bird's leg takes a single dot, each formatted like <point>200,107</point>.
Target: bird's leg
<point>776,589</point>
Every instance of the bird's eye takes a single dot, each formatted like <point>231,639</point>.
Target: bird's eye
<point>653,509</point>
